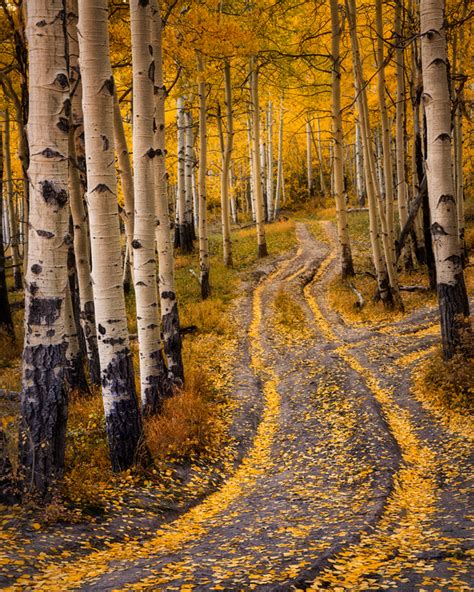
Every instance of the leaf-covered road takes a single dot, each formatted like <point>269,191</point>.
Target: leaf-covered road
<point>349,484</point>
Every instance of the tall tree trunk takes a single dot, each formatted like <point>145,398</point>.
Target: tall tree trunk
<point>204,264</point>
<point>270,161</point>
<point>402,193</point>
<point>166,282</point>
<point>347,268</point>
<point>259,208</point>
<point>309,158</point>
<point>451,287</point>
<point>184,231</point>
<point>386,153</point>
<point>226,151</point>
<point>6,321</point>
<point>360,184</point>
<point>153,373</point>
<point>251,164</point>
<point>279,183</point>
<point>44,397</point>
<point>189,167</point>
<point>13,222</point>
<point>122,416</point>
<point>383,283</point>
<point>322,182</point>
<point>76,200</point>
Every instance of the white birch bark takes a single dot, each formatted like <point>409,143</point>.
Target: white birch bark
<point>76,200</point>
<point>226,151</point>
<point>453,301</point>
<point>309,158</point>
<point>270,161</point>
<point>166,283</point>
<point>153,374</point>
<point>251,161</point>
<point>189,167</point>
<point>44,396</point>
<point>204,263</point>
<point>183,230</point>
<point>122,418</point>
<point>279,183</point>
<point>259,208</point>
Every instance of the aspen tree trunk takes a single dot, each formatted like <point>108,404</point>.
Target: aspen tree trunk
<point>122,416</point>
<point>278,191</point>
<point>259,209</point>
<point>270,161</point>
<point>6,321</point>
<point>309,158</point>
<point>12,219</point>
<point>360,184</point>
<point>386,145</point>
<point>204,267</point>
<point>226,150</point>
<point>263,178</point>
<point>347,268</point>
<point>166,283</point>
<point>251,164</point>
<point>189,166</point>
<point>383,283</point>
<point>74,369</point>
<point>322,182</point>
<point>183,231</point>
<point>76,200</point>
<point>233,197</point>
<point>44,395</point>
<point>402,193</point>
<point>195,195</point>
<point>153,373</point>
<point>451,287</point>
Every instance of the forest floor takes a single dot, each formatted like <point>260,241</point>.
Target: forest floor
<point>343,476</point>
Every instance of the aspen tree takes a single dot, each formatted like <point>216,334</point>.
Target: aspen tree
<point>451,287</point>
<point>184,237</point>
<point>12,219</point>
<point>153,373</point>
<point>251,164</point>
<point>270,161</point>
<point>347,268</point>
<point>402,188</point>
<point>166,284</point>
<point>259,207</point>
<point>188,171</point>
<point>386,148</point>
<point>44,395</point>
<point>204,267</point>
<point>360,184</point>
<point>383,284</point>
<point>309,157</point>
<point>122,417</point>
<point>226,153</point>
<point>76,193</point>
<point>279,183</point>
<point>322,182</point>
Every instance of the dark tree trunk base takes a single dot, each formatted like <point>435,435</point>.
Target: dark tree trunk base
<point>205,286</point>
<point>262,250</point>
<point>347,265</point>
<point>454,315</point>
<point>75,375</point>
<point>172,343</point>
<point>122,419</point>
<point>93,362</point>
<point>185,238</point>
<point>43,417</point>
<point>161,387</point>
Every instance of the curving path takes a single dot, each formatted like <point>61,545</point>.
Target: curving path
<point>348,484</point>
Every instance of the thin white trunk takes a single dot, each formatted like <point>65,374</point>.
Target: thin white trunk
<point>347,268</point>
<point>118,387</point>
<point>153,375</point>
<point>188,169</point>
<point>204,263</point>
<point>170,324</point>
<point>279,182</point>
<point>270,161</point>
<point>259,209</point>
<point>309,158</point>
<point>226,152</point>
